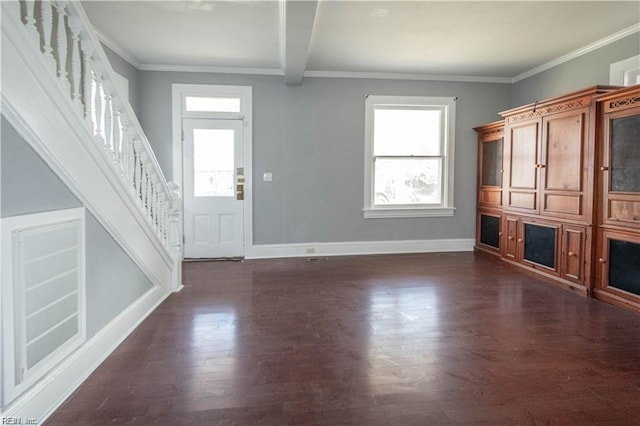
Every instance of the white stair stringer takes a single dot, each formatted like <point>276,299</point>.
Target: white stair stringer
<point>36,104</point>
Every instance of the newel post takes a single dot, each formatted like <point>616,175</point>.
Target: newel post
<point>175,234</point>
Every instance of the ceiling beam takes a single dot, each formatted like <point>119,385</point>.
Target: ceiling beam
<point>296,21</point>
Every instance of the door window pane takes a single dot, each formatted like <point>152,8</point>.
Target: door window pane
<point>211,104</point>
<point>408,181</point>
<point>406,132</point>
<point>213,162</point>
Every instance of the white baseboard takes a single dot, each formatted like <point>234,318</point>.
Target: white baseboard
<point>262,251</point>
<point>47,395</point>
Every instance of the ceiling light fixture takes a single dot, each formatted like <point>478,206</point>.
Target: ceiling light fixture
<point>379,12</point>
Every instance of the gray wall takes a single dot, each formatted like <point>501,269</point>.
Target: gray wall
<point>587,70</point>
<point>312,138</point>
<point>129,72</point>
<point>28,185</point>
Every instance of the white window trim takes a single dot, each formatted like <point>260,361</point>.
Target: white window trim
<point>245,93</point>
<point>618,71</point>
<point>398,211</point>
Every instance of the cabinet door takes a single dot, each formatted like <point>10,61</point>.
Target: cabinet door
<point>540,245</point>
<point>563,171</point>
<point>488,231</point>
<point>511,238</point>
<point>490,172</point>
<point>620,171</point>
<point>521,157</point>
<point>573,253</point>
<point>619,270</point>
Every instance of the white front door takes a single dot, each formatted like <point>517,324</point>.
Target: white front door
<point>213,188</point>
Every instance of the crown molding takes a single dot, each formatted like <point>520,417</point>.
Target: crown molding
<point>211,69</point>
<point>577,53</point>
<point>365,75</point>
<point>403,76</point>
<point>124,54</point>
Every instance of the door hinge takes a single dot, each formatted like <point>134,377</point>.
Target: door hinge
<point>184,240</point>
<point>182,134</point>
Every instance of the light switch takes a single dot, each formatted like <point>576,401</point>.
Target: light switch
<point>267,177</point>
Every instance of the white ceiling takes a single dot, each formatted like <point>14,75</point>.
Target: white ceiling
<point>477,39</point>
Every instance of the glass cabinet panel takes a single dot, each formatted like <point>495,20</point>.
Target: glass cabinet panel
<point>624,269</point>
<point>625,154</point>
<point>490,230</point>
<point>540,245</point>
<point>492,163</point>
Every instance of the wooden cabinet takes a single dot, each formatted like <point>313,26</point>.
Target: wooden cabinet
<point>619,168</point>
<point>618,268</point>
<point>618,201</point>
<point>555,177</point>
<point>558,250</point>
<point>549,156</point>
<point>532,242</point>
<point>490,165</point>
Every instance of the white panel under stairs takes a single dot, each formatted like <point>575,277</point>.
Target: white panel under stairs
<point>43,294</point>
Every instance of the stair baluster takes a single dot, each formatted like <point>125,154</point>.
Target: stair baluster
<point>117,136</point>
<point>76,63</point>
<point>30,21</point>
<point>108,119</point>
<point>98,96</point>
<point>61,44</point>
<point>87,74</point>
<point>47,29</point>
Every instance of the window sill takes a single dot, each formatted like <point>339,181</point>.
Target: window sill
<point>408,212</point>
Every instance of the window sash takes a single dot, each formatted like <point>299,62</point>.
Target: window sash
<point>442,130</point>
<point>416,192</point>
<point>446,105</point>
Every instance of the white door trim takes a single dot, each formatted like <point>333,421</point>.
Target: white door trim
<point>178,91</point>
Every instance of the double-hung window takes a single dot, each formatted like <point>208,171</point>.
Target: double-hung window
<point>409,143</point>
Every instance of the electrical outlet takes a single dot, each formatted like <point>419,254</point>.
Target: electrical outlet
<point>267,177</point>
<point>311,250</point>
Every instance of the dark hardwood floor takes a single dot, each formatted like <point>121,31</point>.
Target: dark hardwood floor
<point>423,339</point>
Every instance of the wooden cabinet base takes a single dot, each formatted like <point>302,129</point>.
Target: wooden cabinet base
<point>615,298</point>
<point>550,278</point>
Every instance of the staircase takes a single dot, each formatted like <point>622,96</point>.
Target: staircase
<point>60,93</point>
